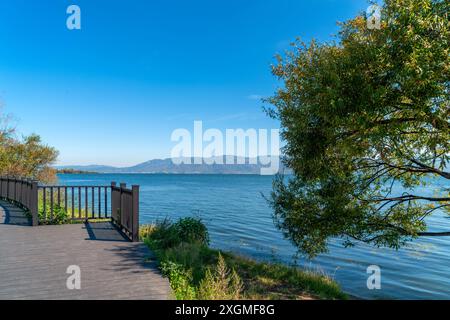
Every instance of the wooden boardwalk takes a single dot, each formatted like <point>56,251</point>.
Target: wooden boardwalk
<point>34,261</point>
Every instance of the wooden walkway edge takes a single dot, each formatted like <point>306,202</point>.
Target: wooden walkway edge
<point>34,262</point>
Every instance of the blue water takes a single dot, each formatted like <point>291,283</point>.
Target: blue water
<point>240,220</point>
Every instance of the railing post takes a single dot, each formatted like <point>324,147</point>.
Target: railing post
<point>112,201</point>
<point>16,190</point>
<point>34,203</point>
<point>123,213</point>
<point>135,213</point>
<point>19,191</point>
<point>8,189</point>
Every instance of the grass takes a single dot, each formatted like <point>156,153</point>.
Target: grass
<point>61,216</point>
<point>197,271</point>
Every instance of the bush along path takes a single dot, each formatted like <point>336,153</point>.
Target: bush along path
<point>197,271</point>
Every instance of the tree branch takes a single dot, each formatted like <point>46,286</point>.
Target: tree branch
<point>434,234</point>
<point>412,197</point>
<point>444,174</point>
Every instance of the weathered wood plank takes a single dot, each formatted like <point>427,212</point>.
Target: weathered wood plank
<point>34,261</point>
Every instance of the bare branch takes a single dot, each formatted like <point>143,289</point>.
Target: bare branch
<point>444,174</point>
<point>434,234</point>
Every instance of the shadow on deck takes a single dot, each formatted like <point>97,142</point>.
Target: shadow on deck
<point>103,231</point>
<point>13,215</point>
<point>34,261</point>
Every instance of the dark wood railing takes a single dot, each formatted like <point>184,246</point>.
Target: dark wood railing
<point>125,209</point>
<point>76,202</point>
<point>49,204</point>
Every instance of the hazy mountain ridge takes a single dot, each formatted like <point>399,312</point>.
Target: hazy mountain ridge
<point>170,166</point>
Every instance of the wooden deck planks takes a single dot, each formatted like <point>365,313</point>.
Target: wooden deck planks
<point>34,260</point>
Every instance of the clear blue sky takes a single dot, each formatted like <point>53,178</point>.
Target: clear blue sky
<point>113,92</point>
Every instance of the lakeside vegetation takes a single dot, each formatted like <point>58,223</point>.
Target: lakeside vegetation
<point>359,117</point>
<point>196,271</point>
<point>24,156</point>
<point>60,214</point>
<point>74,171</point>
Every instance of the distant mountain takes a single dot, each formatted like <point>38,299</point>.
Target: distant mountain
<point>188,167</point>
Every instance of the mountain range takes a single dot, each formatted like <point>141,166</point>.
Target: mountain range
<point>188,167</point>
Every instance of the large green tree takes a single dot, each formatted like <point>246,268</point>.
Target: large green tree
<point>25,157</point>
<point>362,118</point>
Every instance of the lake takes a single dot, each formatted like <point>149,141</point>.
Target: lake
<point>240,220</point>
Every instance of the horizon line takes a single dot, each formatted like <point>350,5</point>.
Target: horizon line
<point>162,159</point>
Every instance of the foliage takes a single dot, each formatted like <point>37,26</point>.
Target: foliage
<point>25,157</point>
<point>191,230</point>
<point>188,230</point>
<point>220,283</point>
<point>73,171</point>
<point>180,280</point>
<point>196,271</point>
<point>278,281</point>
<point>60,215</point>
<point>360,119</point>
<point>146,230</point>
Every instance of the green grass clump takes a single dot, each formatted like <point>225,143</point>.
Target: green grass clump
<point>61,216</point>
<point>196,271</point>
<point>220,283</point>
<point>180,280</point>
<point>188,230</point>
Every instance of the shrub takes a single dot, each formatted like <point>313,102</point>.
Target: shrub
<point>180,280</point>
<point>193,256</point>
<point>146,230</point>
<point>192,230</point>
<point>60,215</point>
<point>166,234</point>
<point>220,283</point>
<point>196,271</point>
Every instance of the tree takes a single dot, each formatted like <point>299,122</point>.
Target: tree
<point>362,118</point>
<point>25,158</point>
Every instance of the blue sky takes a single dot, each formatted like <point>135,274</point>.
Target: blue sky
<point>113,92</point>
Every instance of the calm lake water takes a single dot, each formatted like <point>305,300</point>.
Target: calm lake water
<point>240,220</point>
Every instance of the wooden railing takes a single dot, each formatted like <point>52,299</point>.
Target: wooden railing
<point>74,202</point>
<point>61,204</point>
<point>23,193</point>
<point>125,209</point>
